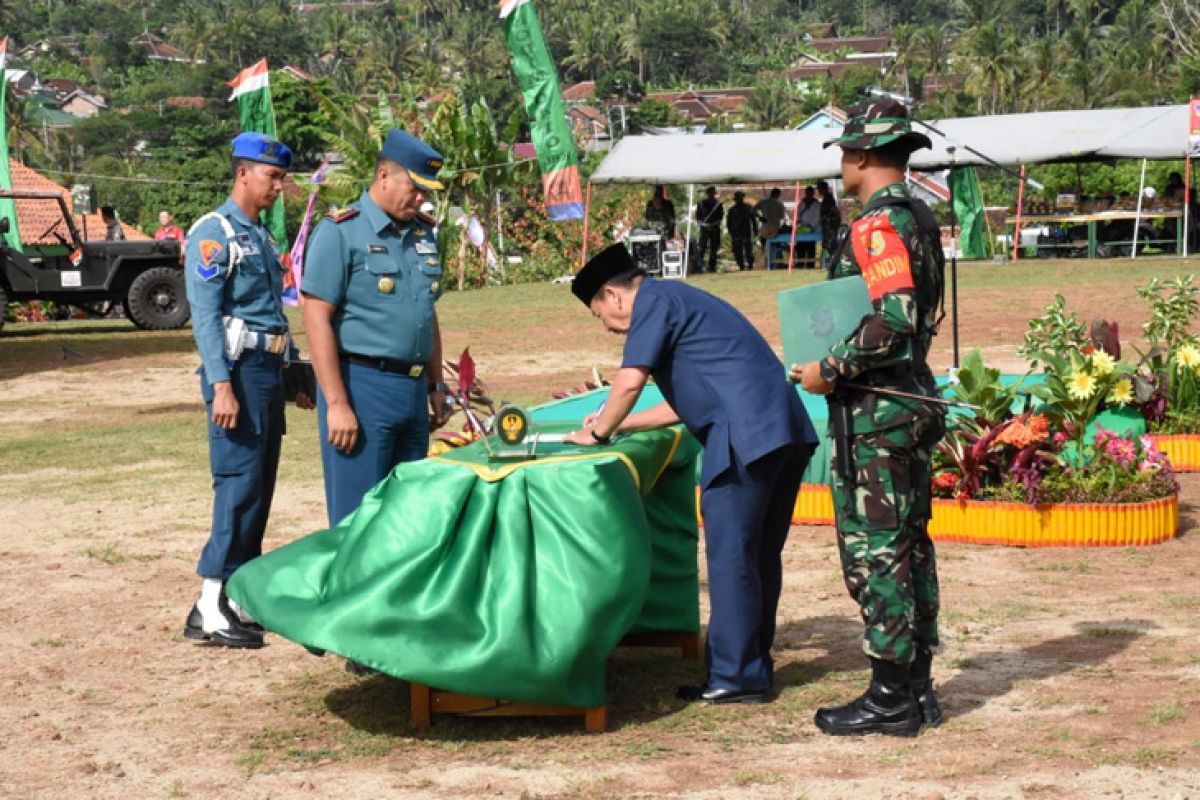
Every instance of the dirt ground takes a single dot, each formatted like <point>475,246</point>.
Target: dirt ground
<point>1066,673</point>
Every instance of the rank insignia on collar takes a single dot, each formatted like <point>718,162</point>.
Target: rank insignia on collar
<point>342,214</point>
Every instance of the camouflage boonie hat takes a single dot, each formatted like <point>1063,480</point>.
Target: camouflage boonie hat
<point>875,123</point>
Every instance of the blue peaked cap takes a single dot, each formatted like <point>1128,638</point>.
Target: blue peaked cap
<point>420,160</point>
<point>263,148</point>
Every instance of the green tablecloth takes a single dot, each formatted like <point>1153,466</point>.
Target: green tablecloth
<point>508,580</point>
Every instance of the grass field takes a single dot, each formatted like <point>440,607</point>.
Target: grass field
<point>1067,673</point>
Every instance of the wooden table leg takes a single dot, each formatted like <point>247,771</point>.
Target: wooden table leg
<point>595,719</point>
<point>419,705</point>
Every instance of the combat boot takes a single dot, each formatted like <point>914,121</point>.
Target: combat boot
<point>886,707</point>
<point>922,688</point>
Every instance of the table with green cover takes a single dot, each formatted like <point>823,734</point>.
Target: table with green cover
<point>512,580</point>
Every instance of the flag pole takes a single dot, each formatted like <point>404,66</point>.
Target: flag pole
<point>1016,244</point>
<point>1187,196</point>
<point>587,209</point>
<point>1137,217</point>
<point>792,238</point>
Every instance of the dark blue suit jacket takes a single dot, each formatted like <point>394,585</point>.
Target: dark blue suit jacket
<point>717,372</point>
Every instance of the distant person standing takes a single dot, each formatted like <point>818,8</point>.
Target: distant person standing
<point>742,225</point>
<point>770,213</point>
<point>660,212</point>
<point>831,219</point>
<point>809,218</point>
<point>167,229</point>
<point>709,213</point>
<point>112,228</point>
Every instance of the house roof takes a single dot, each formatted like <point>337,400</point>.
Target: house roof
<point>157,49</point>
<point>574,92</point>
<point>857,44</point>
<point>35,218</point>
<point>833,69</point>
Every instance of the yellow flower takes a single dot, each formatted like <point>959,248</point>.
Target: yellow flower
<point>1122,392</point>
<point>1188,355</point>
<point>1102,363</point>
<point>1081,385</point>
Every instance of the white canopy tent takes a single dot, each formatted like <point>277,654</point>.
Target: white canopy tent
<point>1159,132</point>
<point>1013,140</point>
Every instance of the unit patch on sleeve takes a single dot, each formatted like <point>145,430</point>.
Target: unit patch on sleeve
<point>881,255</point>
<point>210,251</point>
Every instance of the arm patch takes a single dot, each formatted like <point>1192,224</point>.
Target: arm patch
<point>881,255</point>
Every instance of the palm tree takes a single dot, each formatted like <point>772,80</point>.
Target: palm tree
<point>991,50</point>
<point>771,106</point>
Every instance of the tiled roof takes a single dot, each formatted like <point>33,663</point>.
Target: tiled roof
<point>856,44</point>
<point>585,90</point>
<point>35,218</point>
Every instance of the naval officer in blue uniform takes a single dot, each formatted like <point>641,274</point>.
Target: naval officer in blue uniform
<point>234,278</point>
<point>721,379</point>
<point>372,274</point>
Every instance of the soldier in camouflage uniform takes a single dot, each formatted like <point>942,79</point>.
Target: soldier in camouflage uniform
<point>882,443</point>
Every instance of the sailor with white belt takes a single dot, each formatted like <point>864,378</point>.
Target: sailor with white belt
<point>234,280</point>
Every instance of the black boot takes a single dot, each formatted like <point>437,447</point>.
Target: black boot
<point>886,707</point>
<point>922,688</point>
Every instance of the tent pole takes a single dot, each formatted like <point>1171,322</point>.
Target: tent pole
<point>1016,242</point>
<point>587,211</point>
<point>687,236</point>
<point>1187,197</point>
<point>1137,218</point>
<point>792,238</point>
<point>953,259</point>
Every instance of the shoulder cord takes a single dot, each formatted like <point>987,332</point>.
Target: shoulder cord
<point>236,254</point>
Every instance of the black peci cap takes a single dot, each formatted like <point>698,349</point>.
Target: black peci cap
<point>600,269</point>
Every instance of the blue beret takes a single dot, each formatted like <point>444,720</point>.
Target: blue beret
<point>420,160</point>
<point>260,147</point>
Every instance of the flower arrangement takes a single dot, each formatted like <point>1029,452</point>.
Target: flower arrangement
<point>1042,455</point>
<point>1167,380</point>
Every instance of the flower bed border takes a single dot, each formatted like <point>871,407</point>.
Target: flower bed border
<point>1021,525</point>
<point>1183,449</point>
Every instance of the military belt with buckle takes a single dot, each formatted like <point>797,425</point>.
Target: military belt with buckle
<point>392,365</point>
<point>275,343</point>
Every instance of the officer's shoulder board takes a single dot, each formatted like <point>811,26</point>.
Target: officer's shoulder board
<point>342,214</point>
<point>425,218</point>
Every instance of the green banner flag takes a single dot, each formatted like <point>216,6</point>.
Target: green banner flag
<point>968,208</point>
<point>8,209</point>
<point>252,90</point>
<point>537,77</point>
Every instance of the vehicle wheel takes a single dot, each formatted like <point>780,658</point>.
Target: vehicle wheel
<point>157,300</point>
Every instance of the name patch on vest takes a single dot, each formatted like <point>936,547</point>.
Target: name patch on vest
<point>882,256</point>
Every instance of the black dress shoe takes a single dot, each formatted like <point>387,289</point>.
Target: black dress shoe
<point>715,696</point>
<point>233,635</point>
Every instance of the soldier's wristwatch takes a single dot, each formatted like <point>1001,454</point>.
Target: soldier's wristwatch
<point>829,372</point>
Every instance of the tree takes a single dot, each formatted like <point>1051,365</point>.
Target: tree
<point>772,105</point>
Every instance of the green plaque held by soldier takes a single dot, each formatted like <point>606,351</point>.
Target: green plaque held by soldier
<point>814,318</point>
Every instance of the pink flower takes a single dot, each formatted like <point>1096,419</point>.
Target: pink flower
<point>1060,438</point>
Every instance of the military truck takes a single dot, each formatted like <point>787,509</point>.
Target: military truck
<point>145,277</point>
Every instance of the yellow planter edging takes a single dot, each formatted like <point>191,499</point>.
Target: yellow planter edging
<point>1021,525</point>
<point>1182,448</point>
<point>814,505</point>
<point>1055,525</point>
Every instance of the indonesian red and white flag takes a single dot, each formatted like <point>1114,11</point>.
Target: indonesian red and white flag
<point>509,6</point>
<point>253,78</point>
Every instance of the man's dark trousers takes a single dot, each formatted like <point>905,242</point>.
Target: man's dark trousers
<point>710,242</point>
<point>747,513</point>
